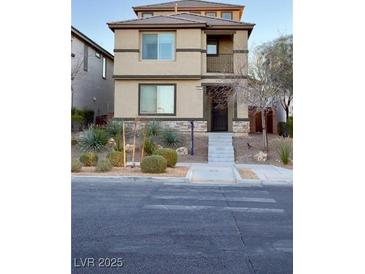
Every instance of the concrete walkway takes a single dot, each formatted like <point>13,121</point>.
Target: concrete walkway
<point>227,173</point>
<point>270,173</point>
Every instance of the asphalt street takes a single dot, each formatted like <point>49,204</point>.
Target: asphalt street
<point>154,227</point>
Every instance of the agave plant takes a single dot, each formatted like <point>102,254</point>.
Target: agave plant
<point>93,139</point>
<point>113,127</point>
<point>153,129</point>
<point>170,138</point>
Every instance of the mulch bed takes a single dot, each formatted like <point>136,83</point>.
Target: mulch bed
<point>244,154</point>
<point>129,171</point>
<point>246,173</point>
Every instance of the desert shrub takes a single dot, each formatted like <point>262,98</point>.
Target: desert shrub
<point>116,158</point>
<point>88,116</point>
<point>290,126</point>
<point>77,118</point>
<point>149,146</point>
<point>89,158</point>
<point>284,147</point>
<point>93,139</point>
<point>153,129</point>
<point>154,164</point>
<point>103,166</point>
<point>114,127</point>
<point>76,165</point>
<point>169,154</point>
<point>282,129</point>
<point>170,138</point>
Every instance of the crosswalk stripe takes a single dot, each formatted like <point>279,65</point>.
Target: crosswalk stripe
<point>203,198</point>
<point>195,207</point>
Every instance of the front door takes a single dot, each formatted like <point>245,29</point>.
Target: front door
<point>219,117</point>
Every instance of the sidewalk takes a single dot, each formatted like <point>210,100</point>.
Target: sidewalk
<point>270,174</point>
<point>227,173</point>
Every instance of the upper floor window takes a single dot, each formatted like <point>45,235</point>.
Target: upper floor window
<point>158,46</point>
<point>227,15</point>
<point>212,14</point>
<point>146,14</point>
<point>104,68</point>
<point>212,47</point>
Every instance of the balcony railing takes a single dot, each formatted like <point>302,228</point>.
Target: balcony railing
<point>222,63</point>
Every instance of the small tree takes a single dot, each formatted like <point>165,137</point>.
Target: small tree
<point>280,57</point>
<point>260,90</point>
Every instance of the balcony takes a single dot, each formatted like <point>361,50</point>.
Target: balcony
<point>221,63</point>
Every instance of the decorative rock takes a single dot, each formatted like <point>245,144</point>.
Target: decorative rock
<point>111,142</point>
<point>182,151</point>
<point>159,146</point>
<point>261,156</point>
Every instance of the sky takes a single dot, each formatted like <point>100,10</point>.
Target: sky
<point>272,18</point>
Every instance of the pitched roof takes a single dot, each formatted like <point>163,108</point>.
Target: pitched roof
<point>209,20</point>
<point>157,20</point>
<point>182,20</point>
<point>188,4</point>
<point>90,42</point>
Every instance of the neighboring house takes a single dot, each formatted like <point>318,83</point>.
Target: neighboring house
<point>169,59</point>
<point>92,83</point>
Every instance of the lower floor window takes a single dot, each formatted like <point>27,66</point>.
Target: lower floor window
<point>157,99</point>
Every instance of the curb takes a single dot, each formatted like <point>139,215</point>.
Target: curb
<point>130,179</point>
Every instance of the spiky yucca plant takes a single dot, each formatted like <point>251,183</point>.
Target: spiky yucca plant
<point>93,139</point>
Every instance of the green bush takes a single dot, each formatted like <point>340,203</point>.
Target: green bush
<point>284,149</point>
<point>290,126</point>
<point>116,158</point>
<point>282,129</point>
<point>88,116</point>
<point>77,118</point>
<point>93,139</point>
<point>149,146</point>
<point>153,129</point>
<point>170,138</point>
<point>169,154</point>
<point>76,165</point>
<point>103,166</point>
<point>89,158</point>
<point>154,164</point>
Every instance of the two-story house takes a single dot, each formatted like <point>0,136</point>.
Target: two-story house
<point>172,56</point>
<point>92,84</point>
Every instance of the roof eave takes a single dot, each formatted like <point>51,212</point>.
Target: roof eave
<point>155,26</point>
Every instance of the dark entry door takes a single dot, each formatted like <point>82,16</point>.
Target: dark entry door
<point>219,117</point>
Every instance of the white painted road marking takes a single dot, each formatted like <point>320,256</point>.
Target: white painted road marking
<point>193,207</point>
<point>202,198</point>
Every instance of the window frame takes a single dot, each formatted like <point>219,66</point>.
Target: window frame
<point>143,13</point>
<point>158,44</point>
<point>103,69</point>
<point>215,13</point>
<point>155,84</point>
<point>230,12</point>
<point>217,43</point>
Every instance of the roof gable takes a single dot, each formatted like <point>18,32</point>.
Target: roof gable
<point>188,4</point>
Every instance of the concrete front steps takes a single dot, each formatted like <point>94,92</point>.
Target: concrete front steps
<point>220,148</point>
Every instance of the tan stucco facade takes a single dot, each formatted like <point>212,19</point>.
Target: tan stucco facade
<point>189,98</point>
<point>188,71</point>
